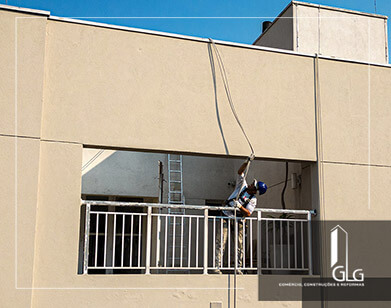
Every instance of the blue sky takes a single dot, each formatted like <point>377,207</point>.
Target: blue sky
<point>242,30</point>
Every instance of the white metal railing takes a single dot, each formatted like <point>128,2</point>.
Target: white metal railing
<point>122,237</point>
<point>285,240</point>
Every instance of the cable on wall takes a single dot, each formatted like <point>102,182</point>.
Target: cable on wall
<point>227,91</point>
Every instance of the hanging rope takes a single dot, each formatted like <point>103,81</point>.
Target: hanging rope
<point>231,104</point>
<point>227,91</point>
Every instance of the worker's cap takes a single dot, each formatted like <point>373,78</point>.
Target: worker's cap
<point>261,186</point>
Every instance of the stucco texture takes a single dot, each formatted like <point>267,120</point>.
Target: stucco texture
<point>18,192</point>
<point>22,51</point>
<point>340,34</point>
<point>115,88</point>
<point>355,113</point>
<point>158,93</point>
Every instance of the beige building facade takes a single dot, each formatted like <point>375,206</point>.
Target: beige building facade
<point>67,85</point>
<point>338,33</point>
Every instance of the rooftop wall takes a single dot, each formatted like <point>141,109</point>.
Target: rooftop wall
<point>340,34</point>
<point>332,32</point>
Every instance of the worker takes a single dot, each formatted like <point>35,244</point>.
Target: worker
<point>244,205</point>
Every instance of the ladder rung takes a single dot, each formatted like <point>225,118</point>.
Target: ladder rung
<point>175,196</point>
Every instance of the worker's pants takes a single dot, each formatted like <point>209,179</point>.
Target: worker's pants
<point>222,239</point>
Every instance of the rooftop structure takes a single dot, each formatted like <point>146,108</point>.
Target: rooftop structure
<point>311,28</point>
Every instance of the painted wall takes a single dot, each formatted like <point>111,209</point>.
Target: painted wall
<point>329,32</point>
<point>114,88</point>
<point>22,51</point>
<point>152,85</point>
<point>21,63</point>
<point>340,34</point>
<point>355,133</point>
<point>49,146</point>
<point>19,165</point>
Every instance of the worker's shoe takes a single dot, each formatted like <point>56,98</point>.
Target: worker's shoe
<point>216,271</point>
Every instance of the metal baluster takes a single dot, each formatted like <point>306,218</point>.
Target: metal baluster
<point>302,245</point>
<point>86,238</point>
<point>267,242</point>
<point>259,242</point>
<point>214,242</point>
<point>158,240</point>
<point>281,244</point>
<point>104,247</point>
<point>114,236</point>
<point>205,261</point>
<point>131,241</point>
<point>244,243</point>
<point>189,248</point>
<point>236,244</point>
<point>221,243</point>
<point>309,236</point>
<point>229,243</point>
<point>96,239</point>
<point>181,241</point>
<point>122,240</point>
<point>251,241</point>
<point>289,246</point>
<point>197,241</point>
<point>274,244</point>
<point>165,243</point>
<point>139,240</point>
<point>148,248</point>
<point>173,243</point>
<point>294,225</point>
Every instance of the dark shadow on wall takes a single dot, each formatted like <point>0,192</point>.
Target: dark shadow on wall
<point>213,70</point>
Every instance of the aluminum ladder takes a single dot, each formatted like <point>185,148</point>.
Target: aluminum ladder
<point>175,180</point>
<point>175,196</point>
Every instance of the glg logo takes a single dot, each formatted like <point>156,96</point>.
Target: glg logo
<point>339,239</point>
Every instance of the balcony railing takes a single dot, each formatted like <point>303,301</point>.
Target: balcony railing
<point>122,237</point>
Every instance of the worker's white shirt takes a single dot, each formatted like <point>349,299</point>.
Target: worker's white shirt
<point>240,180</point>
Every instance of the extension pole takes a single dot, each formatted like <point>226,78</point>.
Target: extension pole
<point>236,230</point>
<point>236,252</point>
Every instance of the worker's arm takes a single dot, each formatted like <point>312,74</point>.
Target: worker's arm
<point>242,209</point>
<point>244,165</point>
<point>245,211</point>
